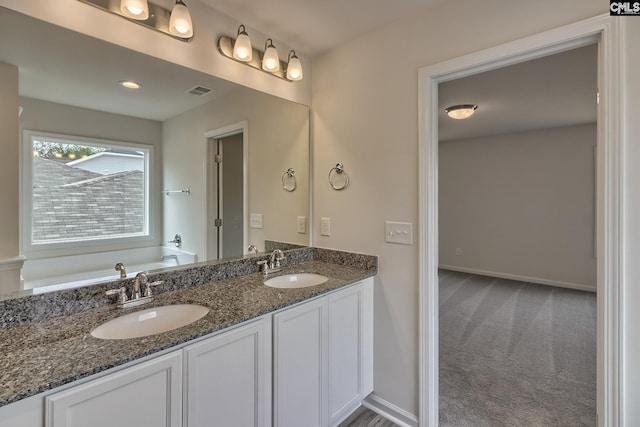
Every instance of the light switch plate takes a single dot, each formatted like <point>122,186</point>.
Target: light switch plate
<point>398,232</point>
<point>325,226</point>
<point>255,220</point>
<point>302,224</point>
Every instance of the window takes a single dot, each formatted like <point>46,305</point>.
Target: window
<point>80,190</point>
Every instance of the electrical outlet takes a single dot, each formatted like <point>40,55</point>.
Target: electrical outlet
<point>255,220</point>
<point>325,226</point>
<point>399,232</point>
<point>302,224</point>
<point>458,251</point>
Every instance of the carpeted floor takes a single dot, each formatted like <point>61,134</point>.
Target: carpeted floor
<point>364,417</point>
<point>515,354</point>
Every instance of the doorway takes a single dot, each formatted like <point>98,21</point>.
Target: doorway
<point>601,30</point>
<point>226,201</point>
<point>516,228</point>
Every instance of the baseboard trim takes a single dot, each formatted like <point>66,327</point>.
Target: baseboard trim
<point>537,280</point>
<point>390,411</point>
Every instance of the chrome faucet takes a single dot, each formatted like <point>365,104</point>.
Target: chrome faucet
<point>177,240</point>
<point>276,256</point>
<point>136,297</point>
<point>121,269</point>
<point>273,264</point>
<point>141,278</point>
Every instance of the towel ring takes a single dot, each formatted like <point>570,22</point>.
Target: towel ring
<point>338,171</point>
<point>289,180</point>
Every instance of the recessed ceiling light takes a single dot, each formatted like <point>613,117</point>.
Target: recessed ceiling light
<point>130,84</point>
<point>461,111</point>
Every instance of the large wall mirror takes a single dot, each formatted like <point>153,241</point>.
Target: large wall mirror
<point>155,150</point>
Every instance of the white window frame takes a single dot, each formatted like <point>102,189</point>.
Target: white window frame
<point>48,249</point>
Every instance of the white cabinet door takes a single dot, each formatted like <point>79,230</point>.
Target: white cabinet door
<point>300,360</point>
<point>144,395</point>
<point>28,412</point>
<point>350,349</point>
<point>228,379</point>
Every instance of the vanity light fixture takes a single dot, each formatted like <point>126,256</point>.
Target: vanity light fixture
<point>460,112</point>
<point>268,61</point>
<point>175,23</point>
<point>242,49</point>
<point>294,67</point>
<point>135,9</point>
<point>180,23</point>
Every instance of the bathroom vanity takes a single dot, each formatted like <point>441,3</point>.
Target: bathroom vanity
<point>262,356</point>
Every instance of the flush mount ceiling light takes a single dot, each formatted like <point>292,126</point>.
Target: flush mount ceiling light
<point>240,50</point>
<point>459,112</point>
<point>175,23</point>
<point>135,9</point>
<point>129,84</point>
<point>180,22</point>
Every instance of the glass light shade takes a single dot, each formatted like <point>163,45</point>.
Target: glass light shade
<point>294,68</point>
<point>460,112</point>
<point>135,9</point>
<point>129,84</point>
<point>242,50</point>
<point>180,22</point>
<point>270,60</point>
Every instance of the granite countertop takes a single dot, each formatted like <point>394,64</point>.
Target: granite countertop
<point>41,355</point>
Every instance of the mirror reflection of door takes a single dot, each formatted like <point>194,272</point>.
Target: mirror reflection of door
<point>226,197</point>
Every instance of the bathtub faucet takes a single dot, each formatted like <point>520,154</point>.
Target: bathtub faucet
<point>177,240</point>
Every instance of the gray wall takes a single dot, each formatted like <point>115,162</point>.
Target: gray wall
<point>365,115</point>
<point>9,170</point>
<point>278,138</point>
<point>520,205</point>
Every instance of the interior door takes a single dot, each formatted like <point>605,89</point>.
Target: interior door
<point>226,198</point>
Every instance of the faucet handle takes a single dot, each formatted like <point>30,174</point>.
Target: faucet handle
<point>263,265</point>
<point>121,292</point>
<point>278,259</point>
<point>147,289</point>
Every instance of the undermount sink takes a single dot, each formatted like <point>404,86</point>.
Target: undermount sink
<point>301,280</point>
<point>150,321</point>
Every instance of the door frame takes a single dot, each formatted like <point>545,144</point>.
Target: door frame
<point>229,130</point>
<point>606,30</point>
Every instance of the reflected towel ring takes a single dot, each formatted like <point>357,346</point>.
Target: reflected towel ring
<point>289,180</point>
<point>339,172</point>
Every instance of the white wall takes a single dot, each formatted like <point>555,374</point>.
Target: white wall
<point>200,54</point>
<point>365,115</point>
<point>631,275</point>
<point>521,205</point>
<point>278,139</point>
<point>68,120</point>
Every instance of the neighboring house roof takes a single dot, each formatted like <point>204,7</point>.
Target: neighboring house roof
<point>73,203</point>
<point>110,162</point>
